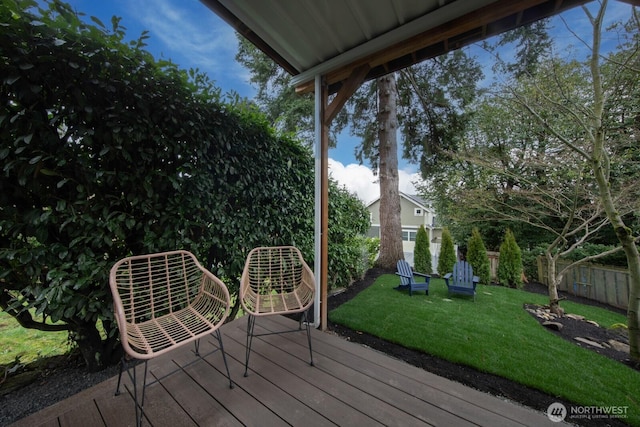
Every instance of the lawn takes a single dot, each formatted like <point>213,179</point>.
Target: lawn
<point>496,335</point>
<point>28,344</point>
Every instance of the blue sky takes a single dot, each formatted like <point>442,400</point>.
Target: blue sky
<point>192,36</point>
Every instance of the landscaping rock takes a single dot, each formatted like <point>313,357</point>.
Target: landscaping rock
<point>553,325</point>
<point>589,342</point>
<point>620,346</point>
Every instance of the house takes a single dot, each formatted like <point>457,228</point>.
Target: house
<point>414,211</point>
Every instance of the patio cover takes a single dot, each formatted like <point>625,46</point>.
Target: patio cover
<point>333,46</point>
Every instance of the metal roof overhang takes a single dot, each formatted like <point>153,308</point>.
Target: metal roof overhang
<point>332,38</point>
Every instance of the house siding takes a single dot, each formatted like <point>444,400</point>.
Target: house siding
<point>410,225</point>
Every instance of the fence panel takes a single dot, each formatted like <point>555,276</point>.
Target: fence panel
<point>493,264</point>
<point>602,283</point>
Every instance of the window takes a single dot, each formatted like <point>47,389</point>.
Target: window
<point>409,236</point>
<point>417,212</point>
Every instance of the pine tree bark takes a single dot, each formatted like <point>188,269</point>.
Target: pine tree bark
<point>390,223</point>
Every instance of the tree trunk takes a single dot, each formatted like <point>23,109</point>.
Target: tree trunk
<point>96,352</point>
<point>553,280</point>
<point>390,225</point>
<point>601,167</point>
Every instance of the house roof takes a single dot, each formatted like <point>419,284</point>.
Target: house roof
<point>413,198</point>
<point>333,38</point>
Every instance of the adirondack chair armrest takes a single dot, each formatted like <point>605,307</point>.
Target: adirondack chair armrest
<point>415,273</point>
<point>403,275</point>
<point>476,279</point>
<point>448,276</point>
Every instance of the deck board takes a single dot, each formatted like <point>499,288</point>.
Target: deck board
<point>349,384</point>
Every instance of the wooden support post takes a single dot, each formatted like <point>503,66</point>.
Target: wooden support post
<point>328,113</point>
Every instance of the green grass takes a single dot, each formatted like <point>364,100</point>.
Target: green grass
<point>28,344</point>
<point>495,334</point>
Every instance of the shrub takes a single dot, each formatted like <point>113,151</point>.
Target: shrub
<point>617,259</point>
<point>421,252</point>
<point>530,261</point>
<point>372,247</point>
<point>348,222</point>
<point>510,263</point>
<point>447,257</point>
<point>477,257</point>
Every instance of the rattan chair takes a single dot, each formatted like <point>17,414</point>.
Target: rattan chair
<point>161,302</point>
<point>276,280</point>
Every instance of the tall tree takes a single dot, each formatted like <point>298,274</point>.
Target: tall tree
<point>390,224</point>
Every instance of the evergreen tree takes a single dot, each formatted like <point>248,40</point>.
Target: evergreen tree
<point>447,256</point>
<point>510,262</point>
<point>422,253</point>
<point>477,257</point>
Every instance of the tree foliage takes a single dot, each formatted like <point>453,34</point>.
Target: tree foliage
<point>477,257</point>
<point>604,133</point>
<point>422,252</point>
<point>447,257</point>
<point>510,262</point>
<point>107,153</point>
<point>287,111</point>
<point>433,100</point>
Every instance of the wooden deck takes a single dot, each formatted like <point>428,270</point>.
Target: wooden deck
<point>350,385</point>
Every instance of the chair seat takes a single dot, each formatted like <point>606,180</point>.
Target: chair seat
<point>149,338</point>
<point>290,302</point>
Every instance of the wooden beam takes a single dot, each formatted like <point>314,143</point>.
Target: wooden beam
<point>348,88</point>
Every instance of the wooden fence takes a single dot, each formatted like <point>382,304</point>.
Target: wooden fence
<point>493,264</point>
<point>602,283</point>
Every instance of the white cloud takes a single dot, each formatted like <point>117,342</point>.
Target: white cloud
<point>359,179</point>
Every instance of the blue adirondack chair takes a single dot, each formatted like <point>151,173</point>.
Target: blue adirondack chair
<point>462,280</point>
<point>408,281</point>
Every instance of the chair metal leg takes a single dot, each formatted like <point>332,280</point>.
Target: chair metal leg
<point>250,324</point>
<point>139,406</point>
<point>224,357</point>
<point>308,323</point>
<point>122,364</point>
<point>139,403</point>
